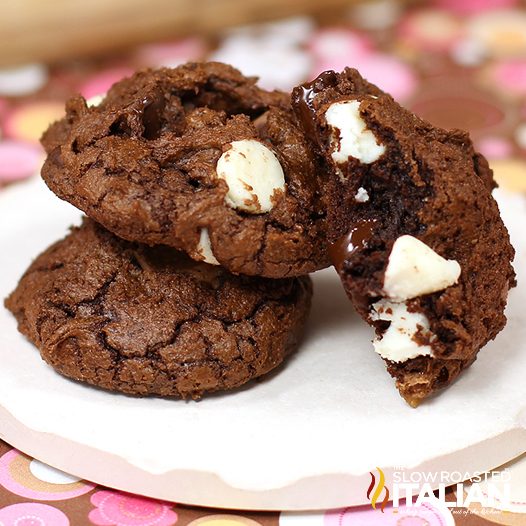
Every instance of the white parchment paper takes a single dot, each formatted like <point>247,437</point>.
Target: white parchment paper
<point>293,440</point>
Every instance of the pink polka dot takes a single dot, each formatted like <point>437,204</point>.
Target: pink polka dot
<point>511,75</point>
<point>31,514</point>
<point>412,520</point>
<point>16,477</point>
<point>102,81</point>
<point>390,74</point>
<point>19,159</point>
<point>470,7</point>
<point>494,147</point>
<point>337,48</point>
<point>424,515</point>
<point>114,508</point>
<point>336,42</point>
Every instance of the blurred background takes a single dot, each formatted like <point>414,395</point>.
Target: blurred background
<point>457,63</point>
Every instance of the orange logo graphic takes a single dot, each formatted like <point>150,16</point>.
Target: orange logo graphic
<point>378,491</point>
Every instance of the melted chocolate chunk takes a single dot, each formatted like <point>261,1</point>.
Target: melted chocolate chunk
<point>303,98</point>
<point>357,238</point>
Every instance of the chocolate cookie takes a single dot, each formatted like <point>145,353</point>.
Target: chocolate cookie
<point>198,158</point>
<point>151,321</point>
<point>417,237</point>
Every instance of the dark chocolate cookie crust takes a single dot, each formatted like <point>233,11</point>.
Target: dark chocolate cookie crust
<point>142,163</point>
<point>150,321</point>
<point>431,184</point>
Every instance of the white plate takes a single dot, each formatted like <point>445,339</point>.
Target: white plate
<point>304,438</point>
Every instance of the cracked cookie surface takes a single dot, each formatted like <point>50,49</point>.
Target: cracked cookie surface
<point>151,321</point>
<point>417,237</point>
<point>144,163</point>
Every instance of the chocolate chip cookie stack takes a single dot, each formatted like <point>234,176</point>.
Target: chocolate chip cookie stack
<point>195,160</point>
<point>210,200</point>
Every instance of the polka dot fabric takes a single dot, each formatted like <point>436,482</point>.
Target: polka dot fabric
<point>35,494</point>
<point>457,64</point>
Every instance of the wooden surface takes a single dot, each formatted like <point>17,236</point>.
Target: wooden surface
<point>51,30</point>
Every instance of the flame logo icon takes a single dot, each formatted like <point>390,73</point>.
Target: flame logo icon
<point>378,491</point>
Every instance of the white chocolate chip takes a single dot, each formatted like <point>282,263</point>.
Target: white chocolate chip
<point>361,195</point>
<point>415,269</point>
<point>397,343</point>
<point>205,248</point>
<point>351,138</point>
<point>253,175</point>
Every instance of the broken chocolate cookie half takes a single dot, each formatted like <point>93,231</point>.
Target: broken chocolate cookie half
<point>416,235</point>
